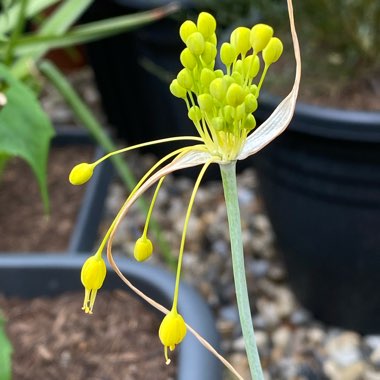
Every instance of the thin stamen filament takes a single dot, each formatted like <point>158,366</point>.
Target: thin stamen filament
<point>177,152</point>
<point>183,239</point>
<point>147,220</point>
<point>153,142</point>
<point>266,67</point>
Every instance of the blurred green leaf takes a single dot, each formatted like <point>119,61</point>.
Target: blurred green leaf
<point>88,32</point>
<point>5,352</point>
<point>8,18</point>
<point>57,24</point>
<point>64,17</point>
<point>25,129</point>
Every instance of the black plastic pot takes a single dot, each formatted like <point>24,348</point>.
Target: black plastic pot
<point>42,275</point>
<point>133,72</point>
<point>320,181</point>
<point>90,214</point>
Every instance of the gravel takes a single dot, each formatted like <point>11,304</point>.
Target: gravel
<point>292,344</point>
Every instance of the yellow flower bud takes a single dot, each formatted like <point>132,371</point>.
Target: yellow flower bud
<point>185,79</point>
<point>92,276</point>
<point>196,43</point>
<point>81,173</point>
<point>207,76</point>
<point>254,90</point>
<point>251,66</point>
<point>250,123</point>
<point>171,332</point>
<point>227,54</point>
<point>235,95</point>
<point>229,113</point>
<point>240,111</point>
<point>195,114</point>
<point>272,51</point>
<point>205,102</point>
<point>260,36</point>
<point>239,66</point>
<point>143,249</point>
<point>240,40</point>
<point>217,123</point>
<point>209,53</point>
<point>250,102</point>
<point>237,78</point>
<point>213,39</point>
<point>187,59</point>
<point>177,90</point>
<point>218,89</point>
<point>206,24</point>
<point>228,80</point>
<point>219,73</point>
<point>186,29</point>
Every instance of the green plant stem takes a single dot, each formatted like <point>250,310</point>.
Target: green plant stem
<point>16,32</point>
<point>85,116</point>
<point>228,172</point>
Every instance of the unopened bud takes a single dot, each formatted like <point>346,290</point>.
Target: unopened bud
<point>186,29</point>
<point>196,43</point>
<point>177,90</point>
<point>272,51</point>
<point>206,24</point>
<point>260,36</point>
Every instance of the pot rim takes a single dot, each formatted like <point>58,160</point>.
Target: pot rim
<point>351,125</point>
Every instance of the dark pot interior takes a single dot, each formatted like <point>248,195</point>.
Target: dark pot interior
<point>322,194</point>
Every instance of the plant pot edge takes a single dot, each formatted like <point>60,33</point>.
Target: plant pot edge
<point>193,359</point>
<point>327,122</point>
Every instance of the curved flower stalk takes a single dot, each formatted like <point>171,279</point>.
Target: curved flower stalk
<point>221,106</point>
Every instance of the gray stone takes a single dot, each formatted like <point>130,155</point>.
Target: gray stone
<point>372,341</point>
<point>300,317</point>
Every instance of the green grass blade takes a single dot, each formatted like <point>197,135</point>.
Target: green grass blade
<point>5,352</point>
<point>9,19</point>
<point>91,31</point>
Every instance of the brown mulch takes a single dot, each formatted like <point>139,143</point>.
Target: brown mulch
<point>54,339</point>
<point>24,225</point>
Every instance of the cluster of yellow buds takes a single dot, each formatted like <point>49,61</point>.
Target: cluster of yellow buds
<point>223,104</point>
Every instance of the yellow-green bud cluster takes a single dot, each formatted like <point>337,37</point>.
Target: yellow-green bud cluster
<point>221,104</point>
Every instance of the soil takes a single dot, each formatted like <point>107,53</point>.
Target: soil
<point>24,225</point>
<point>53,339</point>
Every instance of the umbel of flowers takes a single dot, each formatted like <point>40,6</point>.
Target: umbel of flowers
<point>221,105</point>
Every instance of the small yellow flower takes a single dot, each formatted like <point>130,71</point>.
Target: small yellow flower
<point>172,331</point>
<point>92,277</point>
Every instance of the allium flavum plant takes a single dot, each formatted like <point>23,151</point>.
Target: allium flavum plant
<point>221,105</point>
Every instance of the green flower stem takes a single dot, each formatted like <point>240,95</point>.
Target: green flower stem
<point>85,116</point>
<point>228,172</point>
